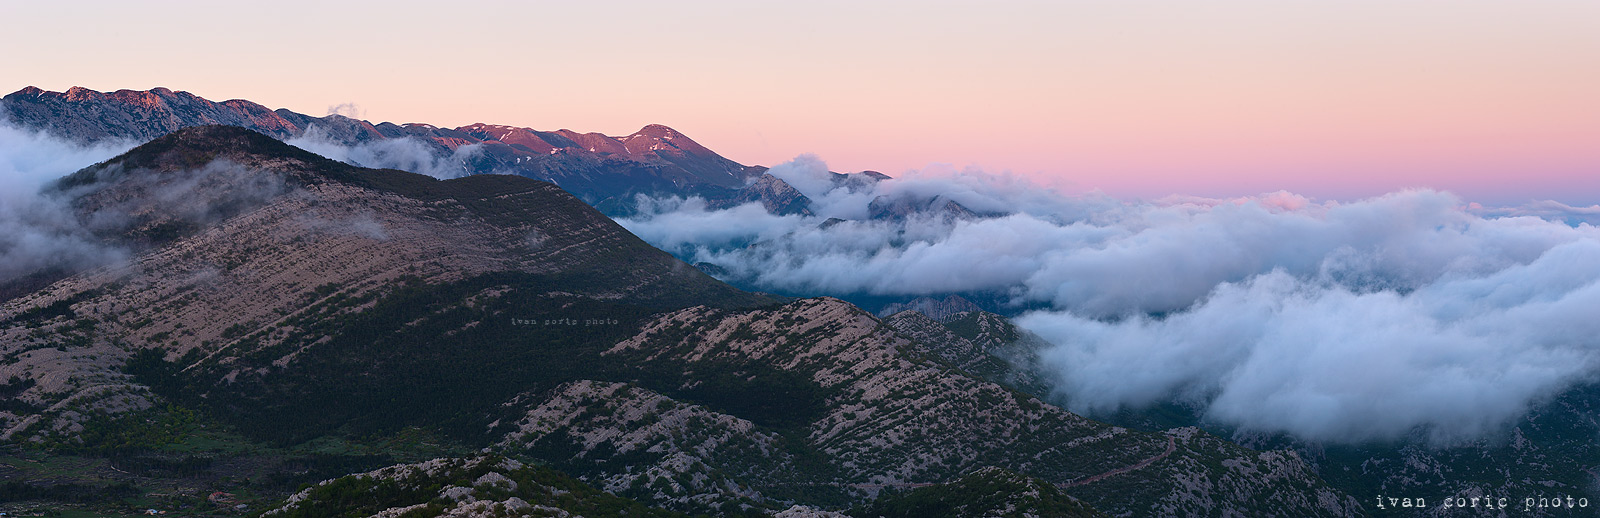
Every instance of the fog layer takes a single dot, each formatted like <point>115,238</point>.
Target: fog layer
<point>1414,312</point>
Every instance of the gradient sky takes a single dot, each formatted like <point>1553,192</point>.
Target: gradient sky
<point>1498,101</point>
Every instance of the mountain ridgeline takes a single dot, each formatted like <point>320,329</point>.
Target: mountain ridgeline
<point>605,171</point>
<point>285,319</point>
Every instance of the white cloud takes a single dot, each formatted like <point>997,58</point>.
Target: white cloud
<point>1412,312</point>
<point>1454,359</point>
<point>406,154</point>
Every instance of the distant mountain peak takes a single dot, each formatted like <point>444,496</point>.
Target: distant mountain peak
<point>78,93</point>
<point>604,170</point>
<point>656,138</point>
<point>658,131</point>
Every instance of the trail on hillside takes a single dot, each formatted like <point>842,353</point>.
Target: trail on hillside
<point>1172,445</point>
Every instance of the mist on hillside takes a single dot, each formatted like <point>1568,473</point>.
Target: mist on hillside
<point>39,230</point>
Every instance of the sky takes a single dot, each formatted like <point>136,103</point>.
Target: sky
<point>1493,101</point>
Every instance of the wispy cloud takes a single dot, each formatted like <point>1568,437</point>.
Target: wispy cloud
<point>406,154</point>
<point>38,230</point>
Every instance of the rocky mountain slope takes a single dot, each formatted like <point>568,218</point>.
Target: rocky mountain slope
<point>983,344</point>
<point>1547,454</point>
<point>243,236</point>
<point>277,301</point>
<point>1550,454</point>
<point>853,409</point>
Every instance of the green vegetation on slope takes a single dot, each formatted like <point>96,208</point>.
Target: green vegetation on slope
<point>447,355</point>
<point>489,486</point>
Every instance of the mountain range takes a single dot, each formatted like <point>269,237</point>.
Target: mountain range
<point>292,302</point>
<point>602,170</point>
<point>606,172</point>
<point>307,337</point>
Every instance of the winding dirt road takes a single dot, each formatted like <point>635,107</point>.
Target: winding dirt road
<point>1172,445</point>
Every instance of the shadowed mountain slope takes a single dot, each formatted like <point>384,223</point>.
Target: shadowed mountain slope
<point>240,240</point>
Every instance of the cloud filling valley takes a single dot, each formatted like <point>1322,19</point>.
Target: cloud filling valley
<point>1414,313</point>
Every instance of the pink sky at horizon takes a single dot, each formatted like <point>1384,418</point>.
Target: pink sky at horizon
<point>1495,101</point>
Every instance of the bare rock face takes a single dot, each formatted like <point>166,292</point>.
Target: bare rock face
<point>775,195</point>
<point>938,309</point>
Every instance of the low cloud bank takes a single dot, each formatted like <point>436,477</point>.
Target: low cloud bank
<point>39,231</point>
<point>1454,360</point>
<point>1409,313</point>
<point>406,154</point>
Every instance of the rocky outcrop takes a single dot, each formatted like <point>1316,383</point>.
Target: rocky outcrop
<point>937,309</point>
<point>775,195</point>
